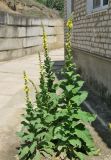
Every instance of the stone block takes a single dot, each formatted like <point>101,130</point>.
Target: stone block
<point>33,31</point>
<point>32,41</point>
<point>39,22</point>
<point>8,43</point>
<point>16,20</point>
<point>3,17</point>
<point>20,35</point>
<point>12,31</point>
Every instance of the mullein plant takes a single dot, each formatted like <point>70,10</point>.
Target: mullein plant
<point>73,140</point>
<point>36,129</point>
<point>37,125</point>
<point>28,132</point>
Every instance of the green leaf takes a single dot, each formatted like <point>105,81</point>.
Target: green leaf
<point>33,122</point>
<point>37,156</point>
<point>30,137</point>
<point>75,90</point>
<point>41,135</point>
<point>49,151</point>
<point>24,152</point>
<point>80,98</point>
<point>70,73</point>
<point>33,147</point>
<point>20,134</point>
<point>57,136</point>
<point>73,124</point>
<point>75,142</point>
<point>79,155</point>
<point>61,113</point>
<point>80,83</point>
<point>69,88</point>
<point>46,155</point>
<point>60,147</point>
<point>49,134</point>
<point>39,126</point>
<point>54,98</point>
<point>49,118</point>
<point>84,134</point>
<point>84,116</point>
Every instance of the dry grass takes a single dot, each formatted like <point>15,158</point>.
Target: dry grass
<point>28,8</point>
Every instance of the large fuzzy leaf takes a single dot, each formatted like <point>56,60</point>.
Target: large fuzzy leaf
<point>50,118</point>
<point>24,152</point>
<point>80,155</point>
<point>33,147</point>
<point>84,116</point>
<point>75,142</point>
<point>37,156</point>
<point>80,98</point>
<point>69,88</point>
<point>84,134</point>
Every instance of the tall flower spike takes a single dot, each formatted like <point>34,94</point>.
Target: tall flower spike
<point>69,24</point>
<point>40,61</point>
<point>68,56</point>
<point>26,87</point>
<point>44,40</point>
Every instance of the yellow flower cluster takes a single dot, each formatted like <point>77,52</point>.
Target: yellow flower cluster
<point>69,24</point>
<point>68,40</point>
<point>45,41</point>
<point>68,44</point>
<point>109,125</point>
<point>26,88</point>
<point>26,77</point>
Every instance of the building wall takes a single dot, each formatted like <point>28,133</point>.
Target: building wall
<point>91,41</point>
<point>92,32</point>
<point>21,36</point>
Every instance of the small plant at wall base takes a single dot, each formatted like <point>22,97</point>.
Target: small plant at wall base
<point>55,124</point>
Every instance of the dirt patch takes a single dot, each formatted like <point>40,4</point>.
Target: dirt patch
<point>28,8</point>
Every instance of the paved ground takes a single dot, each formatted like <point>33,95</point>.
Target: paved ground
<point>12,103</point>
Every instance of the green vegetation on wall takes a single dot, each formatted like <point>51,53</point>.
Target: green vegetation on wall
<point>57,4</point>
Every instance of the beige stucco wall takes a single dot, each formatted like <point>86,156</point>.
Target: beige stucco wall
<point>20,35</point>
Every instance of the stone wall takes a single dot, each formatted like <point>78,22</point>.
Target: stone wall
<point>21,36</point>
<point>91,41</point>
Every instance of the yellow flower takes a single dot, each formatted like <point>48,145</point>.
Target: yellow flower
<point>26,77</point>
<point>44,41</point>
<point>69,24</point>
<point>26,89</point>
<point>109,125</point>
